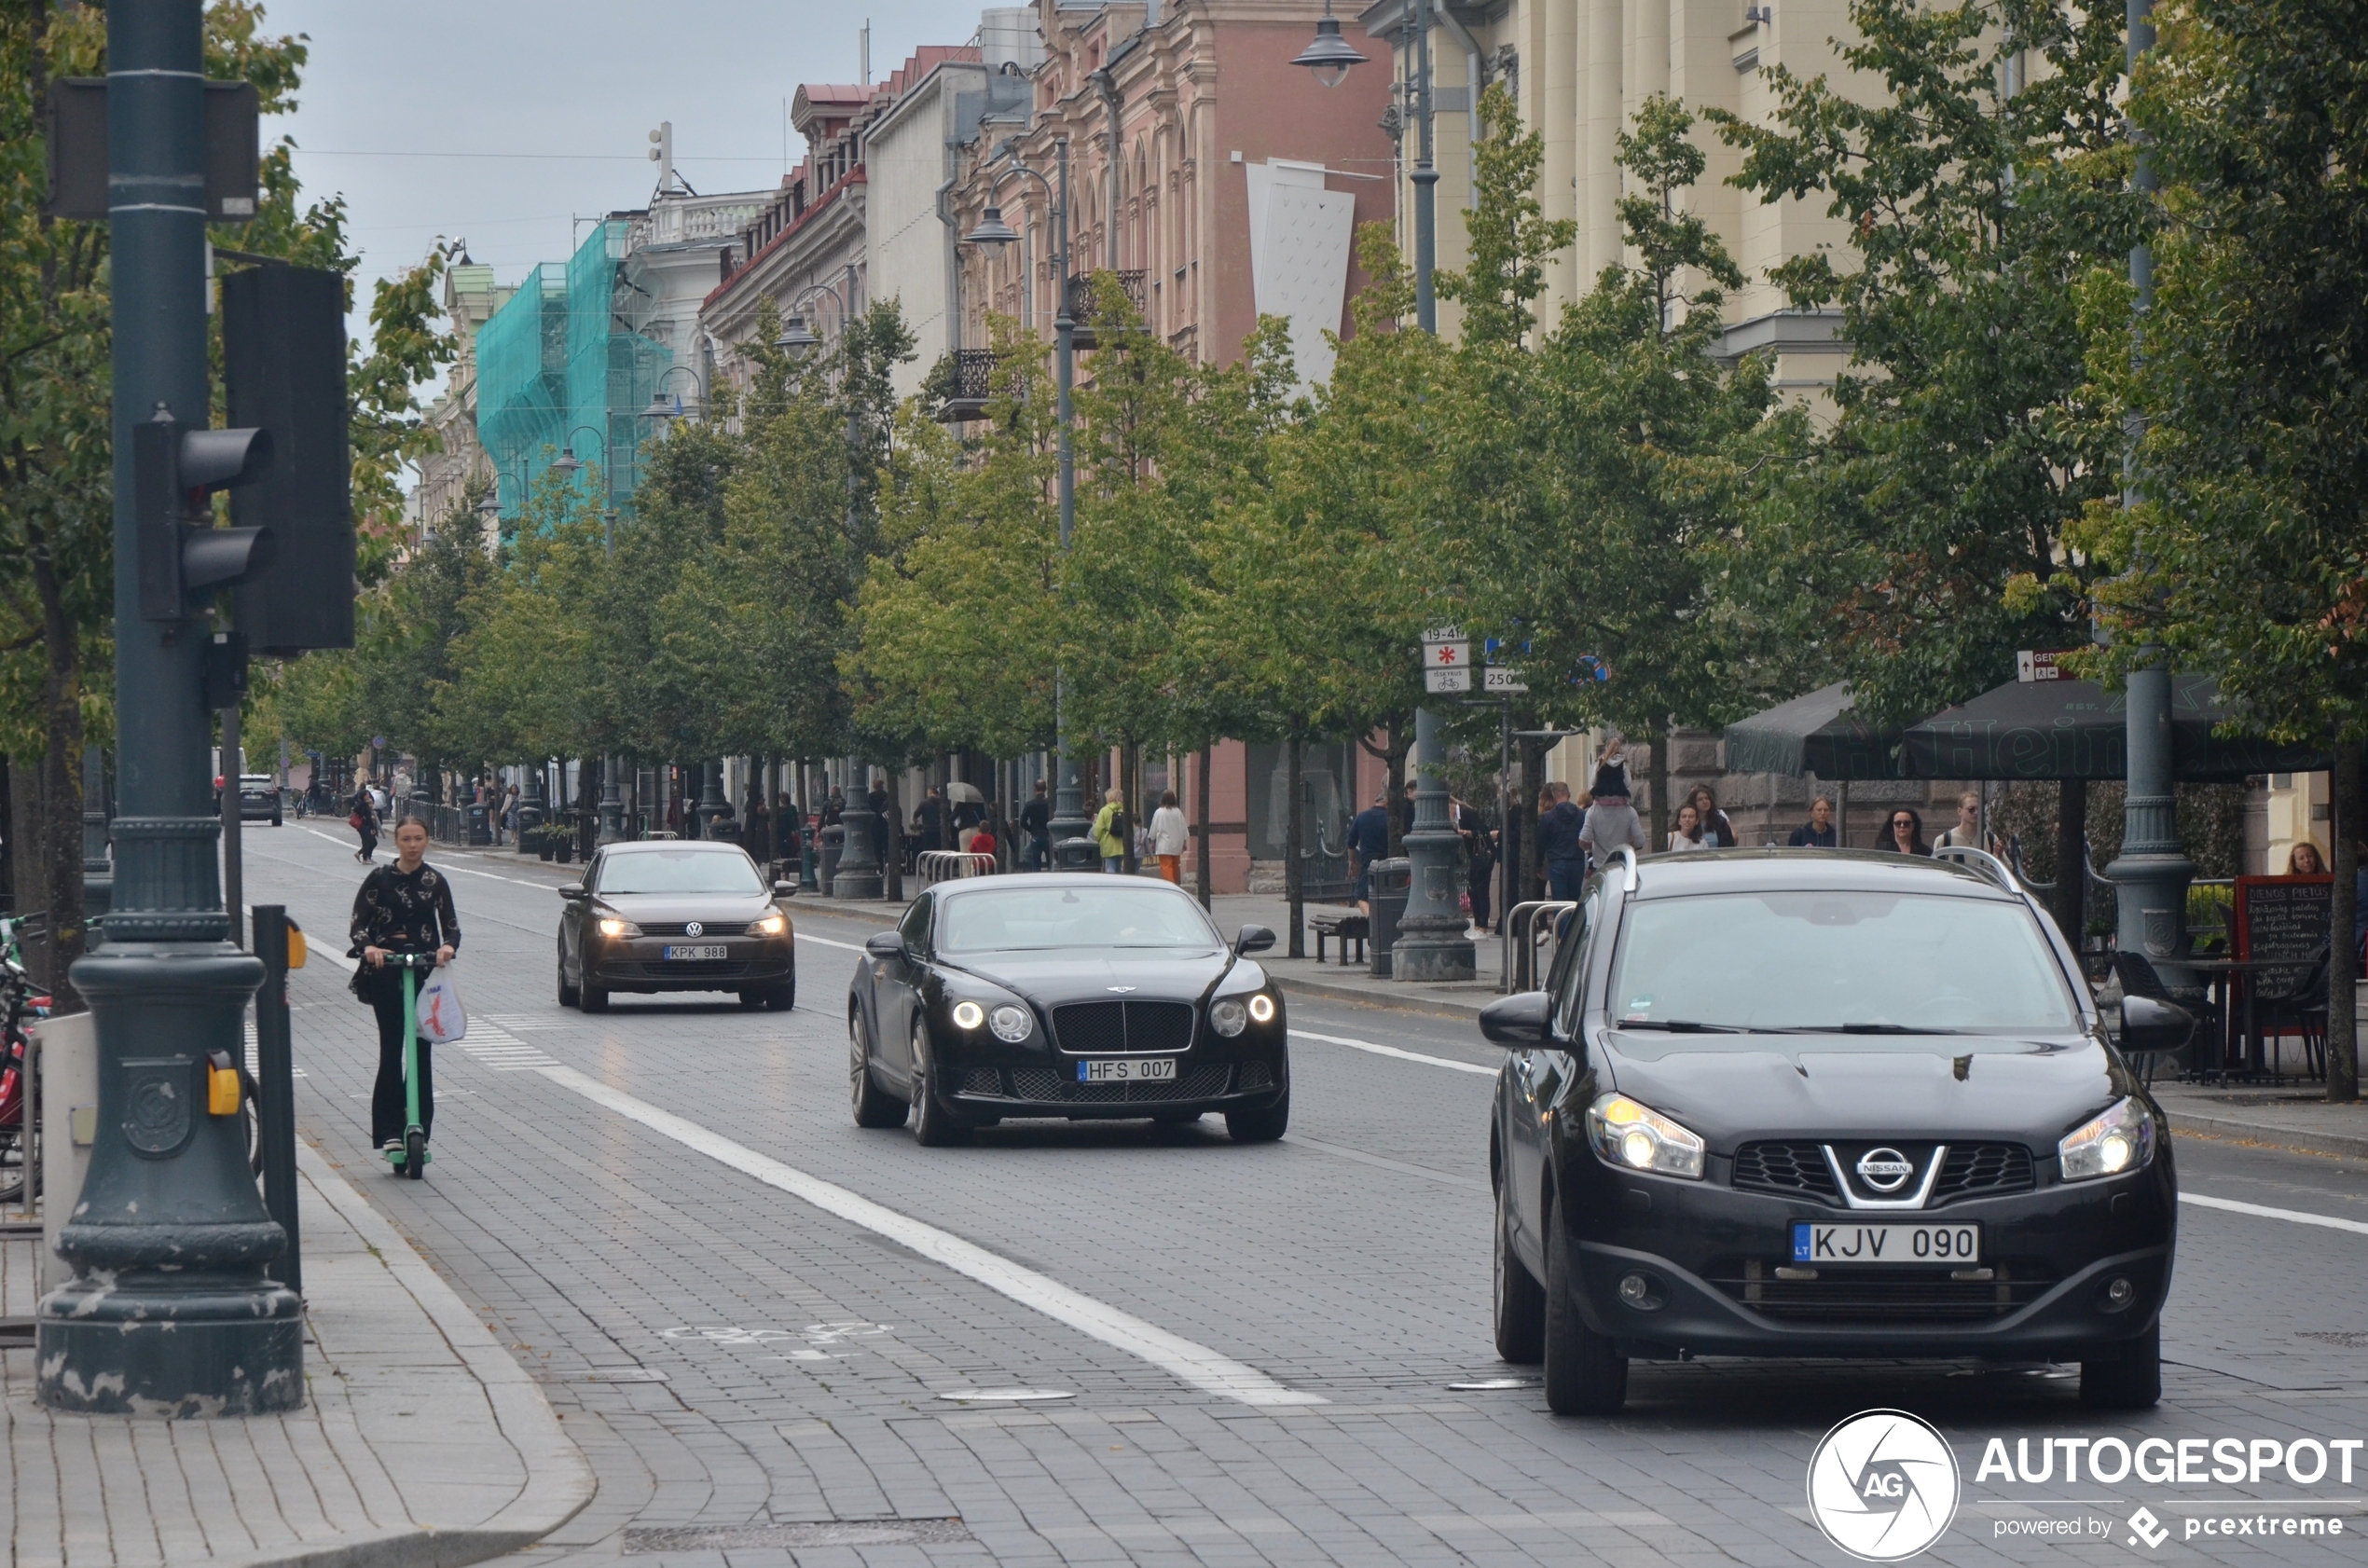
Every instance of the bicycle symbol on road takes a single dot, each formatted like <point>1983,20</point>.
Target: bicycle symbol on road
<point>817,1336</point>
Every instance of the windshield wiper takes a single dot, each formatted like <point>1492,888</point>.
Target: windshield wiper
<point>1864,1029</point>
<point>1678,1027</point>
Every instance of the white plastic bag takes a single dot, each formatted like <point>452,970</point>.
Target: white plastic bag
<point>440,1017</point>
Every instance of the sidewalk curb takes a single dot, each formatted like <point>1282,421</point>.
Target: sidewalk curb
<point>1330,991</point>
<point>560,1480</point>
<point>2332,1145</point>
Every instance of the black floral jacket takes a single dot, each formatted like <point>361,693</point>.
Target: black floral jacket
<point>403,913</point>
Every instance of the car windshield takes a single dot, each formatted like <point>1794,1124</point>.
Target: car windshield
<point>1033,919</point>
<point>679,871</point>
<point>1841,962</point>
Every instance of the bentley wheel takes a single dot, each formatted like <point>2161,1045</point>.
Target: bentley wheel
<point>933,1125</point>
<point>1520,1299</point>
<point>874,1106</point>
<point>1261,1123</point>
<point>1585,1372</point>
<point>2132,1381</point>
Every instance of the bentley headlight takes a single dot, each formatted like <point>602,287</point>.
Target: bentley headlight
<point>2119,1138</point>
<point>969,1015</point>
<point>613,927</point>
<point>1011,1022</point>
<point>1228,1016</point>
<point>1263,1008</point>
<point>772,925</point>
<point>1640,1138</point>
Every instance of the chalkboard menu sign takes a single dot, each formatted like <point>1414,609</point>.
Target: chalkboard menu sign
<point>2283,917</point>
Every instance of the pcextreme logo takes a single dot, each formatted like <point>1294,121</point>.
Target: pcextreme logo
<point>1883,1485</point>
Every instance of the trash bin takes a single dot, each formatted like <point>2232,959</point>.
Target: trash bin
<point>834,845</point>
<point>1386,891</point>
<point>480,825</point>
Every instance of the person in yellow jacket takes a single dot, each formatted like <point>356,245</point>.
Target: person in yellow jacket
<point>1109,831</point>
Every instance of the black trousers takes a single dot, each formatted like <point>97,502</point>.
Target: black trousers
<point>1481,871</point>
<point>389,1111</point>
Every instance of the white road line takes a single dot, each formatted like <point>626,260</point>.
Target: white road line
<point>850,946</point>
<point>441,864</point>
<point>1393,1051</point>
<point>1195,1364</point>
<point>1376,1160</point>
<point>2263,1211</point>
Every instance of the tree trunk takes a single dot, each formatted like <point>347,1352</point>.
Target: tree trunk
<point>2070,902</point>
<point>1393,752</point>
<point>1202,876</point>
<point>1130,764</point>
<point>1294,872</point>
<point>2343,925</point>
<point>1656,826</point>
<point>1524,823</point>
<point>894,873</point>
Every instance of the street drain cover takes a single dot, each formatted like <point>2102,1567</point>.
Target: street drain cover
<point>1491,1385</point>
<point>624,1374</point>
<point>1007,1396</point>
<point>644,1541</point>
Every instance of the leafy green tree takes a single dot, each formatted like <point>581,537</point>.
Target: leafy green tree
<point>2246,552</point>
<point>1980,184</point>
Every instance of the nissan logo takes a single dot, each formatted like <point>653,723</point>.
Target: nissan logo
<point>693,929</point>
<point>1885,1170</point>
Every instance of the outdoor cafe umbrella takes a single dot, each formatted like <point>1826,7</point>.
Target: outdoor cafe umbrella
<point>1815,734</point>
<point>2077,730</point>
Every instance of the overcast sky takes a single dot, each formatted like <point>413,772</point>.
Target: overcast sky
<point>503,120</point>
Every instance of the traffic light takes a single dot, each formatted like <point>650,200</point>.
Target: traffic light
<point>283,370</point>
<point>174,469</point>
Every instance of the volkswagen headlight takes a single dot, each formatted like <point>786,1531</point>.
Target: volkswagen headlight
<point>969,1015</point>
<point>1011,1022</point>
<point>1640,1138</point>
<point>611,926</point>
<point>2119,1138</point>
<point>772,925</point>
<point>1229,1016</point>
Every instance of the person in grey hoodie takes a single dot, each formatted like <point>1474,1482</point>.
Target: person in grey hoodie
<point>1611,822</point>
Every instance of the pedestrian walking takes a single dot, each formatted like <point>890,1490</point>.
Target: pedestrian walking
<point>1689,834</point>
<point>403,908</point>
<point>934,826</point>
<point>1480,862</point>
<point>1036,822</point>
<point>1369,841</point>
<point>1562,842</point>
<point>1904,834</point>
<point>981,840</point>
<point>1818,832</point>
<point>1169,834</point>
<point>1717,832</point>
<point>834,808</point>
<point>1966,833</point>
<point>1110,829</point>
<point>363,820</point>
<point>510,812</point>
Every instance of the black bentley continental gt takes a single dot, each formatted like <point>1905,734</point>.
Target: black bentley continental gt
<point>1793,1103</point>
<point>662,915</point>
<point>1061,994</point>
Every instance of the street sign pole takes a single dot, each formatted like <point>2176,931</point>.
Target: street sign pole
<point>1431,943</point>
<point>169,1311</point>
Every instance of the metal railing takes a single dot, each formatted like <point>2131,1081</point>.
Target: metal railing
<point>1082,303</point>
<point>973,386</point>
<point>943,865</point>
<point>1532,928</point>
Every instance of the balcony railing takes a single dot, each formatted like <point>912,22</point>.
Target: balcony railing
<point>973,386</point>
<point>1082,302</point>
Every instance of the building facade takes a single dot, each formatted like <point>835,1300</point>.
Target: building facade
<point>445,474</point>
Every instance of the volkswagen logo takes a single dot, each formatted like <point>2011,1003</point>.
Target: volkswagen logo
<point>1885,1170</point>
<point>1883,1485</point>
<point>696,928</point>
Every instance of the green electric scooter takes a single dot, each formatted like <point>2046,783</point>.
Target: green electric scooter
<point>412,1158</point>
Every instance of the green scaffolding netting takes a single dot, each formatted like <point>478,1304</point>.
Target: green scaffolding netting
<point>561,367</point>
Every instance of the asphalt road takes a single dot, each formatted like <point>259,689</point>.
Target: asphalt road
<point>749,1312</point>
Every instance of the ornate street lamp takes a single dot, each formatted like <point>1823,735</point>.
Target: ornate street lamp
<point>1330,56</point>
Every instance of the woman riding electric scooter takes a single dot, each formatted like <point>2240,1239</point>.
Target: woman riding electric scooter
<point>402,909</point>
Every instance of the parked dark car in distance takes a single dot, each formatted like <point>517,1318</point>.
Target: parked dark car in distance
<point>259,799</point>
<point>658,915</point>
<point>1065,994</point>
<point>1801,1103</point>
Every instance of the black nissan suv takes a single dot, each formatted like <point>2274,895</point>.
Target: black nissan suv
<point>1800,1103</point>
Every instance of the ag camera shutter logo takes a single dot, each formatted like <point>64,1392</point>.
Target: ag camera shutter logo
<point>1883,1485</point>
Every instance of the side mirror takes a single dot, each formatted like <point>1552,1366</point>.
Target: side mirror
<point>1516,1020</point>
<point>2149,1023</point>
<point>572,891</point>
<point>1253,939</point>
<point>784,889</point>
<point>884,945</point>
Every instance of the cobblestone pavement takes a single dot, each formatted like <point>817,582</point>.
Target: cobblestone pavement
<point>674,1223</point>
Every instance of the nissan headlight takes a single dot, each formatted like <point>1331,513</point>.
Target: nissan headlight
<point>1229,1016</point>
<point>772,925</point>
<point>1011,1022</point>
<point>2119,1138</point>
<point>969,1015</point>
<point>1640,1138</point>
<point>611,925</point>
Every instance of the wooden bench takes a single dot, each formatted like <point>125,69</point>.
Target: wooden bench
<point>1347,925</point>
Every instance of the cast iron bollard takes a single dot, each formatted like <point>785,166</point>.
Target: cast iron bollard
<point>275,1083</point>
